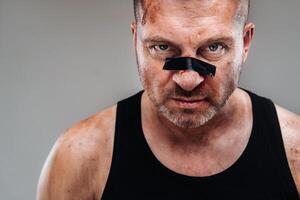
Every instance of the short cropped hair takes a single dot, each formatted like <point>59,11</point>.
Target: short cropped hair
<point>241,16</point>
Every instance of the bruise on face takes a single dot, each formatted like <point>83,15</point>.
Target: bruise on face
<point>150,11</point>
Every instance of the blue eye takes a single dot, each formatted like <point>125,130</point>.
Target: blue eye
<point>213,51</point>
<point>215,47</point>
<point>162,47</point>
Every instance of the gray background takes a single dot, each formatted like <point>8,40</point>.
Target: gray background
<point>63,60</point>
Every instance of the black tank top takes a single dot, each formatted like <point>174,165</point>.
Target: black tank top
<point>261,173</point>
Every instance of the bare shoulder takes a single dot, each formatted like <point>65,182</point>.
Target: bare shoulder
<point>78,164</point>
<point>290,128</point>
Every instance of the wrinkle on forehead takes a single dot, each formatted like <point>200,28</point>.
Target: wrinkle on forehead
<point>152,9</point>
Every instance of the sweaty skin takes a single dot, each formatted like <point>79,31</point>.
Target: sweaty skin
<point>79,163</point>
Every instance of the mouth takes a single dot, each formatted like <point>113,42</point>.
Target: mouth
<point>189,103</point>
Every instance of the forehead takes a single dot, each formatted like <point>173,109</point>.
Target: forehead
<point>188,15</point>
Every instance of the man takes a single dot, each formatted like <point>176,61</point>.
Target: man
<point>188,135</point>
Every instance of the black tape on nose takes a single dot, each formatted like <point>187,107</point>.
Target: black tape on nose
<point>189,63</point>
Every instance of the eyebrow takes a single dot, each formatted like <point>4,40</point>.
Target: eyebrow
<point>216,38</point>
<point>155,39</point>
<point>219,38</point>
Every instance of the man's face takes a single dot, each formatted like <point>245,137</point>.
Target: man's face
<point>206,30</point>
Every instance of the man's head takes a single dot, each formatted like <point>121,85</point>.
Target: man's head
<point>214,31</point>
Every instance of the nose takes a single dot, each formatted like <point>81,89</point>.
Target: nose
<point>188,79</point>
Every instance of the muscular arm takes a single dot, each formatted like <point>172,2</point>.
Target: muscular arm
<point>78,164</point>
<point>290,128</point>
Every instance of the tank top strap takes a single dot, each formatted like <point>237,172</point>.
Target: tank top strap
<point>126,133</point>
<point>128,124</point>
<point>269,132</point>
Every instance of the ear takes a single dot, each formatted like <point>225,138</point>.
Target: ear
<point>133,27</point>
<point>248,34</point>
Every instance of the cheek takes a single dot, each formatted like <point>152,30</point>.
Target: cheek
<point>228,73</point>
<point>228,67</point>
<point>224,80</point>
<point>151,70</point>
<point>153,75</point>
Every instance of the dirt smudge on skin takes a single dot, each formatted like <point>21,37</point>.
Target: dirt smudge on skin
<point>150,10</point>
<point>295,151</point>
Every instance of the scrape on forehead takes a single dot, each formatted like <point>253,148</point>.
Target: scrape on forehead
<point>151,9</point>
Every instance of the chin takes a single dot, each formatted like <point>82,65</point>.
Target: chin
<point>186,118</point>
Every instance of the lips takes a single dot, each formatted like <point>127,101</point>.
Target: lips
<point>188,103</point>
